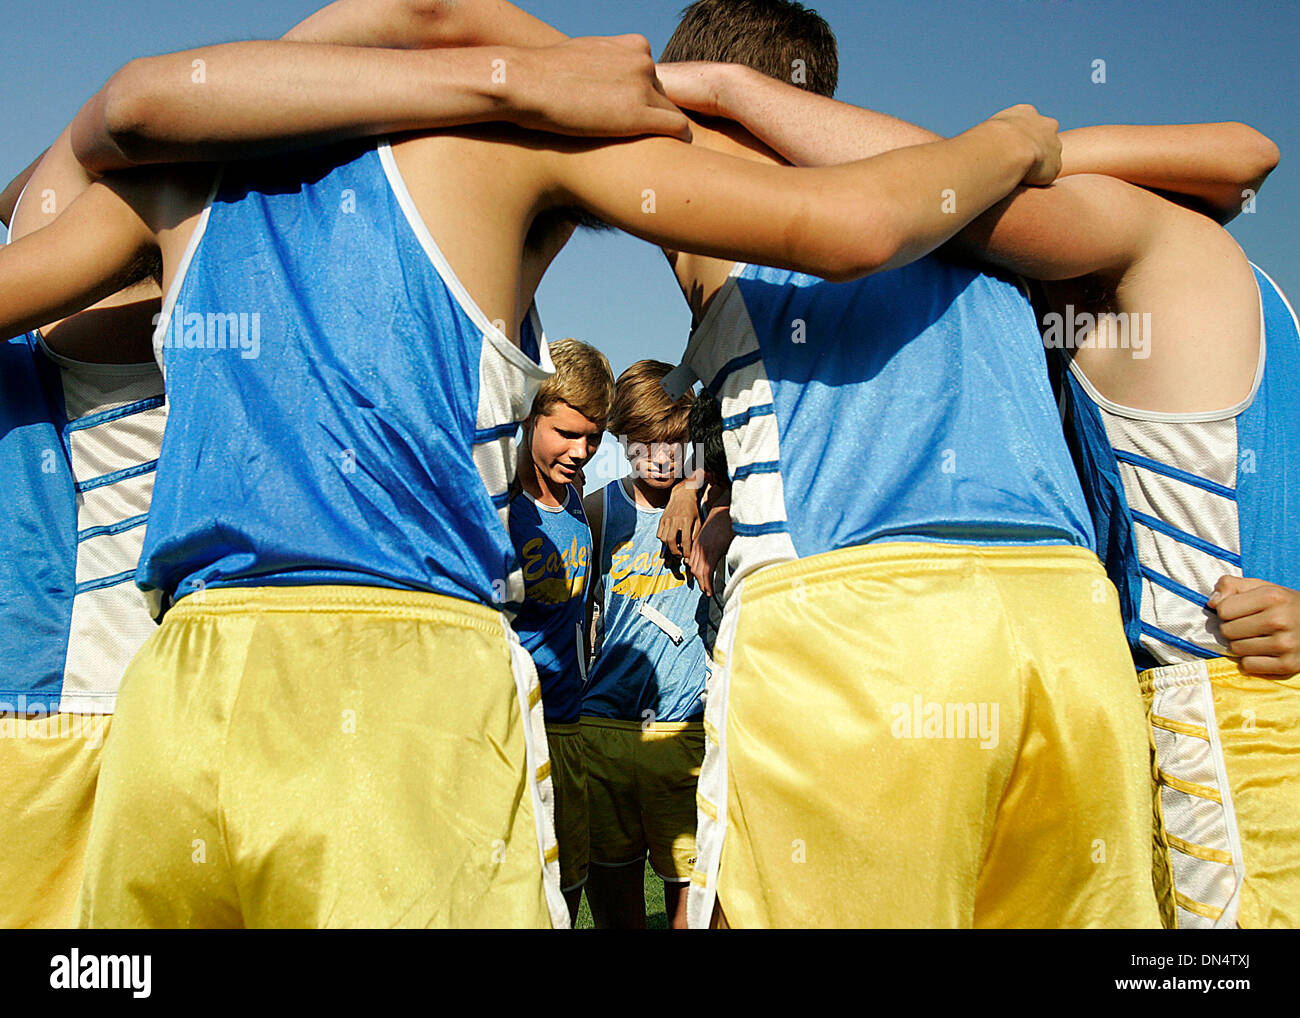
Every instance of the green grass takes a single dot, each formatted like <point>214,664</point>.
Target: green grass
<point>656,917</point>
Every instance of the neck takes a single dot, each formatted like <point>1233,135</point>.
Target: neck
<point>644,495</point>
<point>701,277</point>
<point>532,479</point>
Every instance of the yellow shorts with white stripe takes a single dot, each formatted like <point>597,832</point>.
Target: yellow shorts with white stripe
<point>49,766</point>
<point>1227,773</point>
<point>642,778</point>
<point>325,757</point>
<point>572,816</point>
<point>925,735</point>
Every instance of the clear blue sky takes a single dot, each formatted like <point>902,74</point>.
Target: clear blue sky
<point>944,65</point>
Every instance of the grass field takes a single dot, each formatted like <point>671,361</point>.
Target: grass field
<point>655,917</point>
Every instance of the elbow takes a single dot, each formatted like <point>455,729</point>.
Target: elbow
<point>127,107</point>
<point>109,132</point>
<point>855,256</point>
<point>437,23</point>
<point>1255,154</point>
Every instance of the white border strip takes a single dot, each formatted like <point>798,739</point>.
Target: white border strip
<point>538,754</point>
<point>173,291</point>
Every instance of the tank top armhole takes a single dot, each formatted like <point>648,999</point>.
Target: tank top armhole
<point>1190,417</point>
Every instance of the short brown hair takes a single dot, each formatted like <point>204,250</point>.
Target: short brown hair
<point>583,379</point>
<point>642,410</point>
<point>780,38</point>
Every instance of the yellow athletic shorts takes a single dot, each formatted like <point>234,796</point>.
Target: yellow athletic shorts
<point>1227,753</point>
<point>572,817</point>
<point>925,735</point>
<point>48,769</point>
<point>642,779</point>
<point>325,756</point>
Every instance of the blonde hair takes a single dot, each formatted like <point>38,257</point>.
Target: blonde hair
<point>583,379</point>
<point>642,411</point>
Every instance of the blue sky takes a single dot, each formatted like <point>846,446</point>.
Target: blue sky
<point>945,65</point>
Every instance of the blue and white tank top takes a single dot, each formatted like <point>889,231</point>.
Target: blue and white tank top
<point>343,412</point>
<point>1180,499</point>
<point>910,405</point>
<point>652,662</point>
<point>553,544</point>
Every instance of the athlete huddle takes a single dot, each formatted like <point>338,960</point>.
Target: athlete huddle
<point>404,676</point>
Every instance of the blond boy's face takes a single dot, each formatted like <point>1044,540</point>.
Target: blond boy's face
<point>563,442</point>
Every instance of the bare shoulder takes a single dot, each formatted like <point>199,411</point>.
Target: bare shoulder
<point>476,191</point>
<point>1178,330</point>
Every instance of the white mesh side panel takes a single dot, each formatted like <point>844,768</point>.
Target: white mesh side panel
<point>116,445</point>
<point>112,503</point>
<point>109,555</point>
<point>1207,449</point>
<point>108,626</point>
<point>109,623</point>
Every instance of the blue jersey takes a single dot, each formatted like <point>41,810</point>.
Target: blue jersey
<point>653,660</point>
<point>553,544</point>
<point>343,412</point>
<point>1180,499</point>
<point>909,405</point>
<point>78,446</point>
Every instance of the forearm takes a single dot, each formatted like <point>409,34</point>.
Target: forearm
<point>805,128</point>
<point>927,193</point>
<point>256,97</point>
<point>1212,164</point>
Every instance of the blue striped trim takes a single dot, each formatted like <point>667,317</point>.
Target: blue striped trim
<point>1189,539</point>
<point>1156,467</point>
<point>501,500</point>
<point>758,529</point>
<point>117,475</point>
<point>740,420</point>
<point>765,467</point>
<point>733,365</point>
<point>506,430</point>
<point>130,523</point>
<point>105,581</point>
<point>104,416</point>
<point>1186,593</point>
<point>1174,641</point>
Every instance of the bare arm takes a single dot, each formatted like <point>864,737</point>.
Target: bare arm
<point>89,252</point>
<point>238,99</point>
<point>690,199</point>
<point>9,197</point>
<point>1208,164</point>
<point>1087,224</point>
<point>424,24</point>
